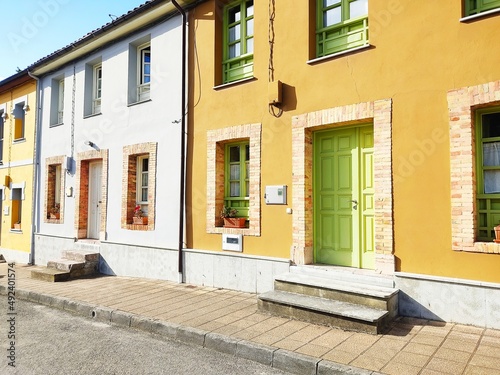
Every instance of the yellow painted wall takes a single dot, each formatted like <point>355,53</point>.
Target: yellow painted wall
<point>419,51</point>
<point>17,164</point>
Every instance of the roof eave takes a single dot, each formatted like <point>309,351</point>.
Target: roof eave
<point>135,20</point>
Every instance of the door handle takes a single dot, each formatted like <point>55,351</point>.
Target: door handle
<point>355,204</point>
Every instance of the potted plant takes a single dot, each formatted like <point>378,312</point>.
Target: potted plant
<point>139,217</point>
<point>228,214</point>
<point>55,211</point>
<point>17,225</point>
<point>497,234</point>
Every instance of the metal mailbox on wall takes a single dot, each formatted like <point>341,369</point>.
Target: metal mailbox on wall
<point>275,194</point>
<point>232,242</point>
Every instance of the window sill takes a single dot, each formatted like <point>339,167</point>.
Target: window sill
<point>92,115</point>
<point>486,248</point>
<point>338,54</point>
<point>53,221</point>
<point>250,231</point>
<point>55,125</point>
<point>479,15</point>
<point>234,83</point>
<point>139,102</point>
<point>17,231</point>
<point>19,140</point>
<point>142,227</point>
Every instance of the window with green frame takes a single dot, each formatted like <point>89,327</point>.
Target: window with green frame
<point>238,41</point>
<point>473,7</point>
<point>236,177</point>
<point>488,172</point>
<point>341,25</point>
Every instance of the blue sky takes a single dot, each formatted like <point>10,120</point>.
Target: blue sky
<point>32,29</point>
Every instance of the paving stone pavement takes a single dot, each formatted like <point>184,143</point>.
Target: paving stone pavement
<point>229,321</point>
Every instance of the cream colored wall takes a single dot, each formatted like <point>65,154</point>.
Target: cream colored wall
<point>18,165</point>
<point>419,51</point>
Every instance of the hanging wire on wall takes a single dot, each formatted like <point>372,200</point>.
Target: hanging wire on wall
<point>276,112</point>
<point>272,15</point>
<point>11,129</point>
<point>73,94</point>
<point>73,102</point>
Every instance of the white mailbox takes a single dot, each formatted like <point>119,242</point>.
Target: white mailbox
<point>275,194</point>
<point>233,242</point>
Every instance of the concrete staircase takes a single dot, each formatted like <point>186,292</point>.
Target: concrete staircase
<point>351,299</point>
<point>82,261</point>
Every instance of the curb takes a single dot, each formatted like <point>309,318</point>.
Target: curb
<point>281,359</point>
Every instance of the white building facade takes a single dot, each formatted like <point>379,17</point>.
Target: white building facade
<point>109,144</point>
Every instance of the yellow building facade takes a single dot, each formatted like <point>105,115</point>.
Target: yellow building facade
<point>17,139</point>
<point>371,134</point>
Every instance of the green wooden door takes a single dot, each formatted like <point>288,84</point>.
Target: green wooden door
<point>343,197</point>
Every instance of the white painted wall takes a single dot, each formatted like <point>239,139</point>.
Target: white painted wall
<point>120,125</point>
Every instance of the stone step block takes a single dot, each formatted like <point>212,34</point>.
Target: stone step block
<point>50,275</point>
<point>317,310</point>
<point>65,265</point>
<point>362,294</point>
<point>345,274</point>
<point>88,246</point>
<point>81,255</point>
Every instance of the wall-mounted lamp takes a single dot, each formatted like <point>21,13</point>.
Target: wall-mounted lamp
<point>275,91</point>
<point>89,143</point>
<point>4,115</point>
<point>26,108</point>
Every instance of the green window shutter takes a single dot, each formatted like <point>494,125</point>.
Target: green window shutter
<point>238,41</point>
<point>341,25</point>
<point>237,177</point>
<point>478,6</point>
<point>488,172</point>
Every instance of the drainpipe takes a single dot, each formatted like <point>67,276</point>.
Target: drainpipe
<point>36,166</point>
<point>183,141</point>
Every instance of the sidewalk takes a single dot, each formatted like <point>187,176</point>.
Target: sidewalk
<point>228,321</point>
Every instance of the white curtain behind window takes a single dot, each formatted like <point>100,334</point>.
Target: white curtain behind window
<point>491,157</point>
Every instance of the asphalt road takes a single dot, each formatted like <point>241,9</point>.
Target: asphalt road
<point>49,341</point>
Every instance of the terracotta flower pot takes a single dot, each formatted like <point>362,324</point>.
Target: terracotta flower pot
<point>140,220</point>
<point>235,222</point>
<point>497,234</point>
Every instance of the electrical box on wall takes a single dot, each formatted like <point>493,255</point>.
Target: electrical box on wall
<point>275,194</point>
<point>232,242</point>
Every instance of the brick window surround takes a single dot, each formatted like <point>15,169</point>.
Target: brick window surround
<point>462,103</point>
<point>216,139</point>
<point>379,113</point>
<point>82,191</point>
<point>129,184</point>
<point>50,184</point>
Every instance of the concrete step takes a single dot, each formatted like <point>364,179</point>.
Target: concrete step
<point>362,294</point>
<point>324,311</point>
<point>91,268</point>
<point>87,245</point>
<point>50,274</point>
<point>65,265</point>
<point>81,255</point>
<point>346,274</point>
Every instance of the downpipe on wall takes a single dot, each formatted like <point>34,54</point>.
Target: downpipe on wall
<point>35,220</point>
<point>182,197</point>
